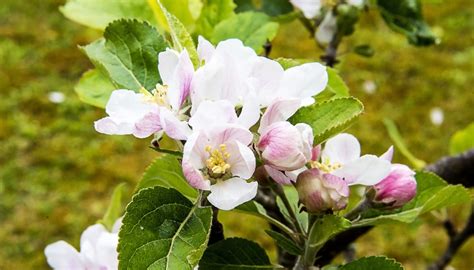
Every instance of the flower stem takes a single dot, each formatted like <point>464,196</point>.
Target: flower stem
<point>359,209</point>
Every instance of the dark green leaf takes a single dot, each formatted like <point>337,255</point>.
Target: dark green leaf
<point>405,16</point>
<point>128,54</point>
<point>166,171</point>
<point>253,28</point>
<point>364,50</point>
<point>163,230</point>
<point>373,263</point>
<point>94,88</point>
<point>114,211</point>
<point>330,117</point>
<point>285,243</point>
<point>214,12</point>
<point>244,5</point>
<point>276,7</point>
<point>234,253</point>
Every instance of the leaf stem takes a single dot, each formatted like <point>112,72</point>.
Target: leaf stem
<point>279,191</point>
<point>165,151</point>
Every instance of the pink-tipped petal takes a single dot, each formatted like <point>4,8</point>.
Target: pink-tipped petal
<point>398,188</point>
<point>277,175</point>
<point>228,194</point>
<point>148,125</point>
<point>180,84</point>
<point>195,177</point>
<point>173,127</point>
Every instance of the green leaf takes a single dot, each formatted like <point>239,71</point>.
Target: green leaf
<point>163,230</point>
<point>128,54</point>
<point>94,88</point>
<point>181,38</point>
<point>330,117</point>
<point>114,211</point>
<point>287,63</point>
<point>405,16</point>
<point>186,12</point>
<point>276,7</point>
<point>292,195</point>
<point>244,5</point>
<point>253,28</point>
<point>336,84</point>
<point>214,12</point>
<point>364,50</point>
<point>166,171</point>
<point>462,140</point>
<point>99,13</point>
<point>233,254</point>
<point>400,144</point>
<point>432,193</point>
<point>282,241</point>
<point>373,263</point>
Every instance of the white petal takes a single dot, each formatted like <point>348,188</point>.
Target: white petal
<point>250,113</point>
<point>293,175</point>
<point>228,134</point>
<point>236,49</point>
<point>107,126</point>
<point>62,256</point>
<point>227,195</point>
<point>173,127</point>
<point>266,75</point>
<point>117,225</point>
<point>342,148</point>
<point>279,110</point>
<point>310,8</point>
<point>167,62</point>
<point>277,175</point>
<point>368,170</point>
<point>308,138</point>
<point>241,160</point>
<point>304,81</point>
<point>327,29</point>
<point>194,150</point>
<point>107,255</point>
<point>205,49</point>
<point>91,235</point>
<point>213,112</point>
<point>388,155</point>
<point>180,84</point>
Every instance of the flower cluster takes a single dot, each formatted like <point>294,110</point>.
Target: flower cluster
<point>231,113</point>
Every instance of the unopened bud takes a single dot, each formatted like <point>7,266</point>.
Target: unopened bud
<point>320,192</point>
<point>398,188</point>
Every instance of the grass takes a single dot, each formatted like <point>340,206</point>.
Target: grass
<point>57,173</point>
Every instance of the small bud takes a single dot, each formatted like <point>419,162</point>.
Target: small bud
<point>398,188</point>
<point>320,192</point>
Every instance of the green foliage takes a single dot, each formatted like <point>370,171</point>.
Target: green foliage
<point>213,12</point>
<point>364,50</point>
<point>270,7</point>
<point>94,88</point>
<point>181,38</point>
<point>114,211</point>
<point>292,195</point>
<point>324,228</point>
<point>285,243</point>
<point>163,230</point>
<point>166,171</point>
<point>405,16</point>
<point>433,193</point>
<point>373,263</point>
<point>329,117</point>
<point>462,140</point>
<point>400,144</point>
<point>186,12</point>
<point>98,14</point>
<point>336,84</point>
<point>128,54</point>
<point>253,28</point>
<point>234,254</point>
<point>347,17</point>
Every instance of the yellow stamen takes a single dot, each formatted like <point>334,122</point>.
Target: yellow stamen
<point>217,161</point>
<point>159,95</point>
<point>325,166</point>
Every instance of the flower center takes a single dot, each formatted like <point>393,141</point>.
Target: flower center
<point>158,96</point>
<point>217,162</point>
<point>325,165</point>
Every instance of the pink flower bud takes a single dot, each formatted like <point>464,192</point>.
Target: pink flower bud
<point>398,188</point>
<point>320,192</point>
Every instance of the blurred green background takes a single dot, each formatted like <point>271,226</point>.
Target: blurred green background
<point>57,173</point>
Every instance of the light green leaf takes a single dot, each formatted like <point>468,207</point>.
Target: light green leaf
<point>432,193</point>
<point>166,171</point>
<point>292,195</point>
<point>114,211</point>
<point>282,241</point>
<point>186,11</point>
<point>400,144</point>
<point>233,254</point>
<point>462,140</point>
<point>99,13</point>
<point>330,117</point>
<point>163,230</point>
<point>405,16</point>
<point>336,84</point>
<point>128,54</point>
<point>287,63</point>
<point>181,38</point>
<point>373,263</point>
<point>253,28</point>
<point>94,88</point>
<point>214,12</point>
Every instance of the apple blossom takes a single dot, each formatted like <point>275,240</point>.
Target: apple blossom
<point>143,114</point>
<point>98,250</point>
<point>341,157</point>
<point>398,188</point>
<point>320,191</point>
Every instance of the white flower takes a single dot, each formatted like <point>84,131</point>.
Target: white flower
<point>98,251</point>
<point>310,8</point>
<point>143,114</point>
<point>341,157</point>
<point>327,29</point>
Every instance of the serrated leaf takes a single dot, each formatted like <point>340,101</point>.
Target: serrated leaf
<point>462,140</point>
<point>163,230</point>
<point>213,12</point>
<point>128,54</point>
<point>98,14</point>
<point>373,263</point>
<point>405,16</point>
<point>253,28</point>
<point>234,253</point>
<point>432,193</point>
<point>336,84</point>
<point>94,88</point>
<point>114,211</point>
<point>166,171</point>
<point>330,117</point>
<point>181,38</point>
<point>285,243</point>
